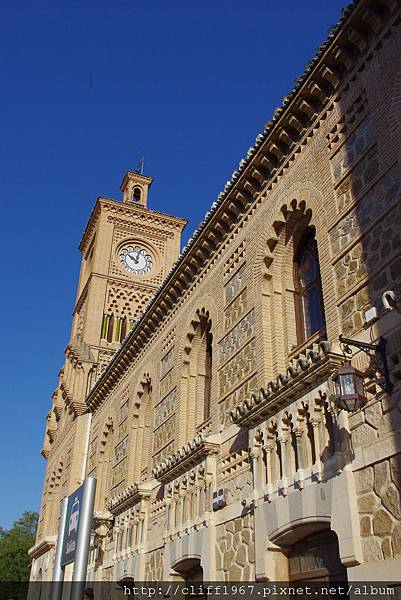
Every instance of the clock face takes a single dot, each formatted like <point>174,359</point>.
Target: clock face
<point>136,260</point>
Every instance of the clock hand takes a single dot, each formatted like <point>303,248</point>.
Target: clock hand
<point>135,259</point>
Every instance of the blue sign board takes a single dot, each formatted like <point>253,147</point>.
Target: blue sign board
<point>71,526</point>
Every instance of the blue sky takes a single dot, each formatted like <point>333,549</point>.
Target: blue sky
<point>88,87</point>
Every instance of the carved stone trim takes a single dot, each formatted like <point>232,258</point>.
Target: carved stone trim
<point>184,459</point>
<point>42,546</point>
<point>314,364</point>
<point>129,497</point>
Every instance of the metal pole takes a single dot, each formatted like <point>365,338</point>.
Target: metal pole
<point>83,541</point>
<point>58,570</point>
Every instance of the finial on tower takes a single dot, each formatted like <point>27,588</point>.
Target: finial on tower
<point>135,186</point>
<point>140,165</point>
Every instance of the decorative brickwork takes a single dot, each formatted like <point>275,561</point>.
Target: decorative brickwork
<point>92,455</point>
<point>235,310</point>
<point>160,456</point>
<point>163,434</point>
<point>119,474</point>
<point>352,187</point>
<point>347,121</point>
<point>168,381</point>
<point>165,408</point>
<point>234,259</point>
<point>104,358</point>
<point>235,284</point>
<point>128,233</point>
<point>239,395</point>
<point>238,368</point>
<point>168,340</point>
<point>120,451</point>
<point>122,429</point>
<point>167,361</point>
<point>379,245</point>
<point>237,337</point>
<point>125,300</point>
<point>355,146</point>
<point>81,316</point>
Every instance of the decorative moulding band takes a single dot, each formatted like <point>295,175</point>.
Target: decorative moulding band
<point>184,459</point>
<point>312,365</point>
<point>43,546</point>
<point>128,498</point>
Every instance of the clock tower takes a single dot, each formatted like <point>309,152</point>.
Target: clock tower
<point>127,250</point>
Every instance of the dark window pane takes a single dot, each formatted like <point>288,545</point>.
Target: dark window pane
<point>312,310</point>
<point>308,299</point>
<point>308,270</point>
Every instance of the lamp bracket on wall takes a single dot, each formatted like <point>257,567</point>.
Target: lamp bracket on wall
<point>377,354</point>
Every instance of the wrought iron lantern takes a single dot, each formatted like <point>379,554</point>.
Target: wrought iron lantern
<point>348,384</point>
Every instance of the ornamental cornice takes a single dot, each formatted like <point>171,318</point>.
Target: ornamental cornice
<point>308,368</point>
<point>185,459</point>
<point>151,232</point>
<point>118,207</point>
<point>77,407</point>
<point>133,494</point>
<point>79,351</point>
<point>42,546</point>
<point>144,214</point>
<point>360,28</point>
<point>90,226</point>
<point>67,397</point>
<point>83,295</point>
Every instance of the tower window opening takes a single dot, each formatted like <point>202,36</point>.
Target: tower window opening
<point>136,194</point>
<point>123,331</point>
<point>110,328</point>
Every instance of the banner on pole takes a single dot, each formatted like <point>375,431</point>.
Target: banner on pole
<point>71,527</point>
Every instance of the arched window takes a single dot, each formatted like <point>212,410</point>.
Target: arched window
<point>136,194</point>
<point>142,431</point>
<point>208,375</point>
<point>103,460</point>
<point>201,370</point>
<point>197,375</point>
<point>308,297</point>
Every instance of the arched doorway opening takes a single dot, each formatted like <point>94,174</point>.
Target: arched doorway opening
<point>316,557</point>
<point>190,573</point>
<point>126,584</point>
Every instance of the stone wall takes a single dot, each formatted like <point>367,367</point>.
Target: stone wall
<point>380,417</point>
<point>378,488</point>
<point>235,552</point>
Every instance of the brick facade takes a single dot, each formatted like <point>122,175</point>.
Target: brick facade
<point>213,389</point>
